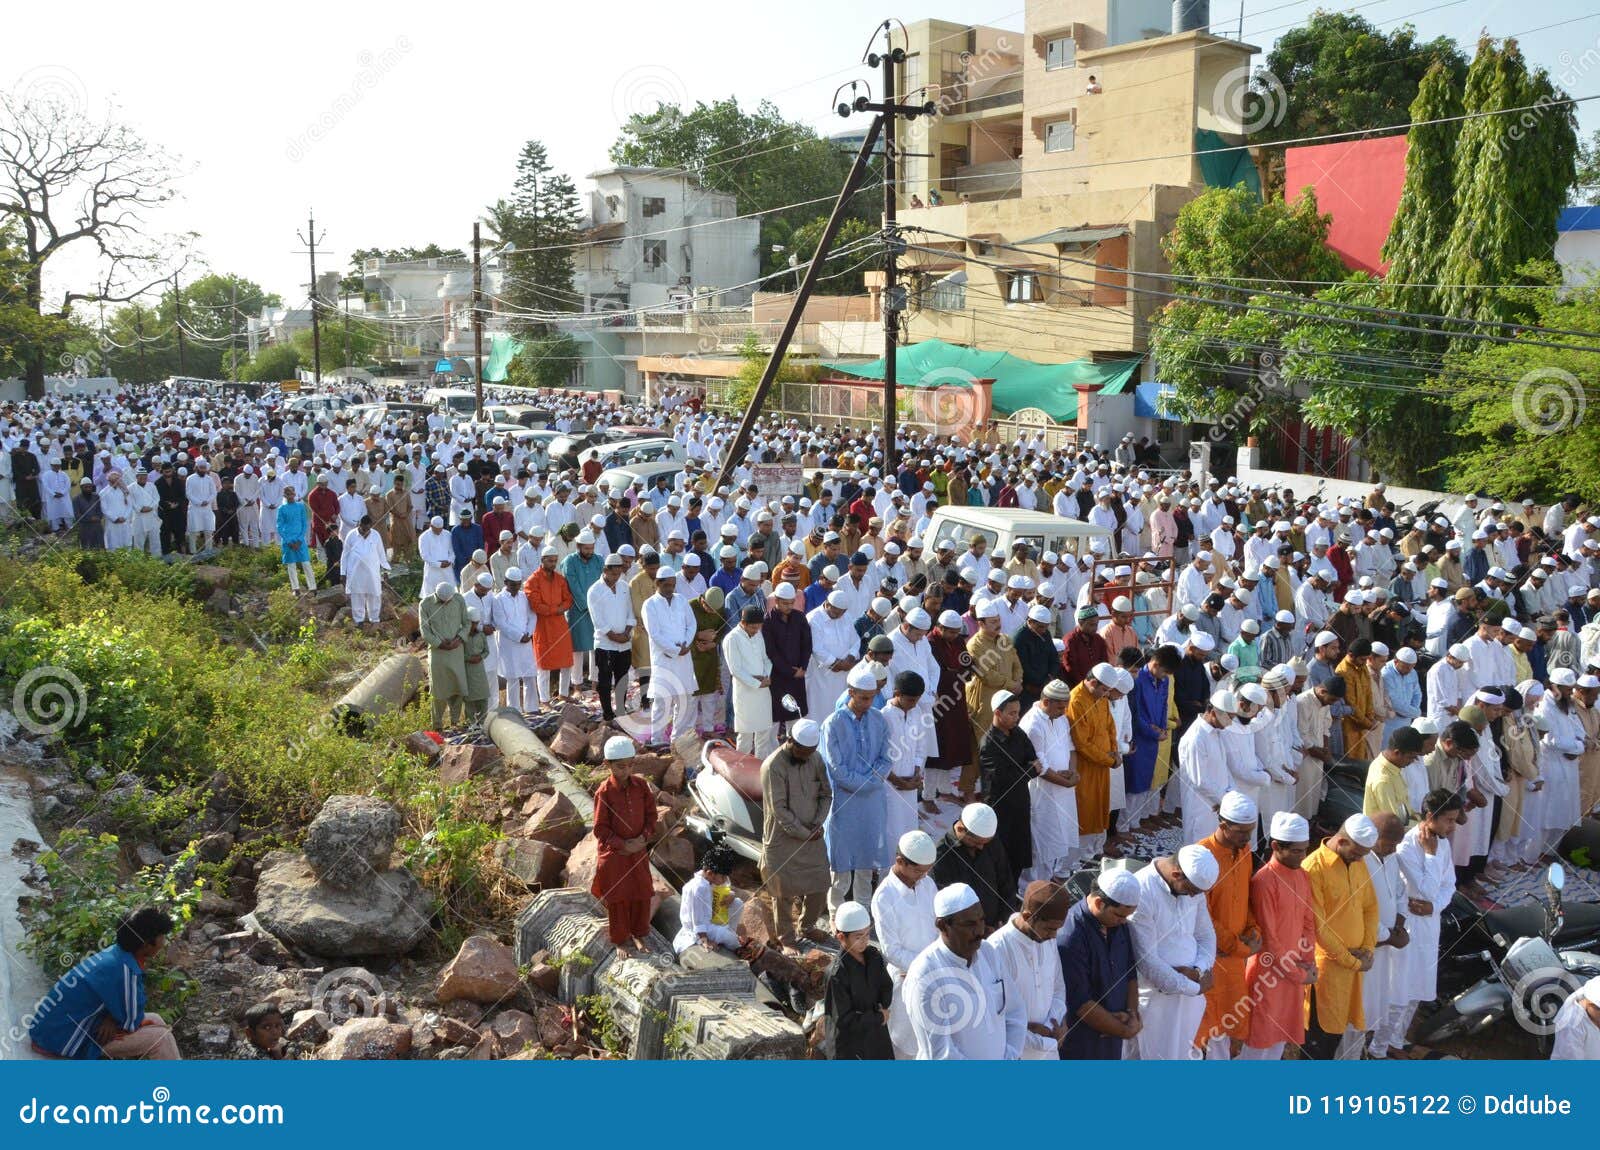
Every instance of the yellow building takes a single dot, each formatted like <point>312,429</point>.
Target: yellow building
<point>1074,141</point>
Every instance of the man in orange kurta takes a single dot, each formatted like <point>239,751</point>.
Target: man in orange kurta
<point>1227,1018</point>
<point>550,597</point>
<point>1276,976</point>
<point>1346,908</point>
<point>1094,742</point>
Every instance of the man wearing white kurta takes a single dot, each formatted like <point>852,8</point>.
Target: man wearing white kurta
<point>514,624</point>
<point>1025,948</point>
<point>902,909</point>
<point>438,556</point>
<point>1176,947</point>
<point>1052,794</point>
<point>201,489</point>
<point>363,562</point>
<point>117,509</point>
<point>833,642</point>
<point>913,652</point>
<point>961,1004</point>
<point>1203,766</point>
<point>145,501</point>
<point>1377,984</point>
<point>750,669</point>
<point>1577,1026</point>
<point>669,622</point>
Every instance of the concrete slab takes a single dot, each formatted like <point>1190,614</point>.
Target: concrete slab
<point>22,982</point>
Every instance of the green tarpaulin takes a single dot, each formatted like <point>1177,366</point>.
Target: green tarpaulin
<point>1018,382</point>
<point>1223,166</point>
<point>502,350</point>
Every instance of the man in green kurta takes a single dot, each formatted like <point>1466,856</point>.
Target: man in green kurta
<point>707,659</point>
<point>443,618</point>
<point>582,570</point>
<point>475,654</point>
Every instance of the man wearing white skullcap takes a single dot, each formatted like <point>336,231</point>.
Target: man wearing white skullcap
<point>1377,985</point>
<point>902,907</point>
<point>957,998</point>
<point>1203,765</point>
<point>437,554</point>
<point>858,992</point>
<point>914,653</point>
<point>442,618</point>
<point>1347,933</point>
<point>1577,1025</point>
<point>1176,948</point>
<point>855,749</point>
<point>1223,1029</point>
<point>1098,972</point>
<point>971,853</point>
<point>795,800</point>
<point>1275,978</point>
<point>667,620</point>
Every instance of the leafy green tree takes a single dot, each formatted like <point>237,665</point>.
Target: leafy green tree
<point>276,361</point>
<point>26,336</point>
<point>1586,188</point>
<point>1425,215</point>
<point>1512,173</point>
<point>1340,73</point>
<point>540,223</point>
<point>844,276</point>
<point>763,160</point>
<point>547,361</point>
<point>1525,421</point>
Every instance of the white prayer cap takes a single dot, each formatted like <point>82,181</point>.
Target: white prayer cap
<point>1225,702</point>
<point>1201,640</point>
<point>1124,680</point>
<point>988,609</point>
<point>1361,831</point>
<point>693,560</point>
<point>918,847</point>
<point>585,537</point>
<point>1461,651</point>
<point>485,579</point>
<point>1324,638</point>
<point>882,606</point>
<point>662,573</point>
<point>1280,676</point>
<point>1254,693</point>
<point>1424,725</point>
<point>619,747</point>
<point>752,573</point>
<point>1591,990</point>
<point>1105,674</point>
<point>980,819</point>
<point>1564,677</point>
<point>436,521</point>
<point>1122,603</point>
<point>548,549</point>
<point>1121,886</point>
<point>1206,555</point>
<point>954,899</point>
<point>1250,627</point>
<point>472,615</point>
<point>851,916</point>
<point>1191,612</point>
<point>1199,866</point>
<point>861,678</point>
<point>1589,682</point>
<point>838,600</point>
<point>1237,807</point>
<point>1284,617</point>
<point>1407,656</point>
<point>1001,698</point>
<point>1039,613</point>
<point>806,732</point>
<point>949,619</point>
<point>918,618</point>
<point>1439,584</point>
<point>1354,598</point>
<point>1288,827</point>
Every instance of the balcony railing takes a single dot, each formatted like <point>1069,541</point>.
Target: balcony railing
<point>992,181</point>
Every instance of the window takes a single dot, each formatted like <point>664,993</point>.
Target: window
<point>655,253</point>
<point>654,206</point>
<point>946,296</point>
<point>1023,287</point>
<point>1060,53</point>
<point>1060,136</point>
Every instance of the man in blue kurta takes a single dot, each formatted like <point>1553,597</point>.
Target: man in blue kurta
<point>855,749</point>
<point>96,1009</point>
<point>582,569</point>
<point>1097,967</point>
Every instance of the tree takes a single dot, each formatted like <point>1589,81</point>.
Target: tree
<point>140,340</point>
<point>354,281</point>
<point>848,275</point>
<point>1586,188</point>
<point>1426,212</point>
<point>540,223</point>
<point>1339,73</point>
<point>25,335</point>
<point>766,162</point>
<point>276,361</point>
<point>1512,173</point>
<point>1524,425</point>
<point>545,362</point>
<point>70,183</point>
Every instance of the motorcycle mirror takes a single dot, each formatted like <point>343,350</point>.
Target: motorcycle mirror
<point>790,705</point>
<point>1557,876</point>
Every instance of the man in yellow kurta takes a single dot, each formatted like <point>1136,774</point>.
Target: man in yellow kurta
<point>1227,1019</point>
<point>1386,788</point>
<point>1346,909</point>
<point>1094,748</point>
<point>1358,697</point>
<point>995,667</point>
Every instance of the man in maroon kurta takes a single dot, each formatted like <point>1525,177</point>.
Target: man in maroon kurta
<point>624,822</point>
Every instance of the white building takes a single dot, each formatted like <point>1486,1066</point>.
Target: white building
<point>1578,244</point>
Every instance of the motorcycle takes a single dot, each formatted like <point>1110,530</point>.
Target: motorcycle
<point>726,788</point>
<point>1521,973</point>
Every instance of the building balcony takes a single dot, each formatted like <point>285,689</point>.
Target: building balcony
<point>999,180</point>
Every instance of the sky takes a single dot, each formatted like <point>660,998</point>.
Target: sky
<point>398,123</point>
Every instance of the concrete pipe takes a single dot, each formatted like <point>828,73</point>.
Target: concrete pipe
<point>388,687</point>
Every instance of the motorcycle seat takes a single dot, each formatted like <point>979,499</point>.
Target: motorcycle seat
<point>740,771</point>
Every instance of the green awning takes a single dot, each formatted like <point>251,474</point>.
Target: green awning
<point>1223,165</point>
<point>1077,236</point>
<point>502,350</point>
<point>1018,382</point>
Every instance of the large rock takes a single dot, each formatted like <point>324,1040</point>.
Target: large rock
<point>513,1030</point>
<point>368,1039</point>
<point>555,821</point>
<point>567,928</point>
<point>675,855</point>
<point>537,864</point>
<point>483,970</point>
<point>581,864</point>
<point>351,839</point>
<point>388,916</point>
<point>459,762</point>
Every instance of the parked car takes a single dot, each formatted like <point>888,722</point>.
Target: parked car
<point>520,413</point>
<point>645,473</point>
<point>1003,526</point>
<point>637,451</point>
<point>457,400</point>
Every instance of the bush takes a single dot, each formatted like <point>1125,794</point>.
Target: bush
<point>87,897</point>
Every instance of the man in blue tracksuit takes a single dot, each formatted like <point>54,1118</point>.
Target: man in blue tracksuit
<point>96,1009</point>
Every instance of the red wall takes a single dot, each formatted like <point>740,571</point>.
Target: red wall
<point>1358,183</point>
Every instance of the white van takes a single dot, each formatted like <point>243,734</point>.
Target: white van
<point>452,400</point>
<point>1003,526</point>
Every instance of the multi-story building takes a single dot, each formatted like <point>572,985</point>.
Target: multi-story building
<point>1060,157</point>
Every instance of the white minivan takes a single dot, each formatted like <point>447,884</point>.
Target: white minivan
<point>1003,526</point>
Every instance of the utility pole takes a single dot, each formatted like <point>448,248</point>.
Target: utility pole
<point>311,239</point>
<point>477,322</point>
<point>346,302</point>
<point>138,331</point>
<point>888,111</point>
<point>177,323</point>
<point>891,303</point>
<point>233,328</point>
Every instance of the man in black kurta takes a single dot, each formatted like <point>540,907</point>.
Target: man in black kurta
<point>1036,650</point>
<point>857,998</point>
<point>1008,760</point>
<point>788,637</point>
<point>980,861</point>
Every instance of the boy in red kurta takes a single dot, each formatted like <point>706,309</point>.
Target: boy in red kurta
<point>624,822</point>
<point>1276,977</point>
